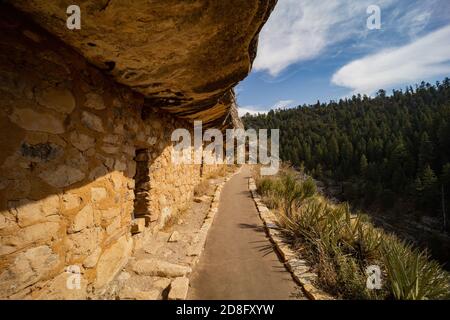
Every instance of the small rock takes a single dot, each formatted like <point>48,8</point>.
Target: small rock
<point>71,201</point>
<point>111,139</point>
<point>33,120</point>
<point>154,267</point>
<point>151,141</point>
<point>83,219</point>
<point>179,289</point>
<point>59,99</point>
<point>81,141</point>
<point>92,121</point>
<point>138,225</point>
<point>111,149</point>
<point>174,237</point>
<point>201,199</point>
<point>95,101</point>
<point>161,283</point>
<point>130,293</point>
<point>98,194</point>
<point>92,260</point>
<point>123,276</point>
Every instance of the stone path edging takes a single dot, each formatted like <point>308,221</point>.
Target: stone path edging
<point>298,268</point>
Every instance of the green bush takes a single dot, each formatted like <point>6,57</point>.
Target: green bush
<point>342,246</point>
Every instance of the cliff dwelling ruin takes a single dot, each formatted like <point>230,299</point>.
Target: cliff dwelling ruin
<point>86,118</point>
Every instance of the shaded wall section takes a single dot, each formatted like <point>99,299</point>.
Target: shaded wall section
<point>68,141</point>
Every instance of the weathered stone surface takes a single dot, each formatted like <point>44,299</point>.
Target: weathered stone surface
<point>179,289</point>
<point>40,152</point>
<point>131,293</point>
<point>112,139</point>
<point>92,121</point>
<point>82,219</point>
<point>162,283</point>
<point>71,201</point>
<point>81,141</point>
<point>92,259</point>
<point>40,159</point>
<point>95,101</point>
<point>174,237</point>
<point>58,288</point>
<point>165,47</point>
<point>98,194</point>
<point>98,172</point>
<point>201,199</point>
<point>28,268</point>
<point>130,150</point>
<point>112,260</point>
<point>151,141</point>
<point>30,212</point>
<point>112,149</point>
<point>33,36</point>
<point>123,276</point>
<point>120,165</point>
<point>34,120</point>
<point>116,178</point>
<point>63,176</point>
<point>58,99</point>
<point>110,213</point>
<point>138,225</point>
<point>31,234</point>
<point>154,267</point>
<point>83,243</point>
<point>113,226</point>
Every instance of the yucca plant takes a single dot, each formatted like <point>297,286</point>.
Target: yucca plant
<point>411,273</point>
<point>342,245</point>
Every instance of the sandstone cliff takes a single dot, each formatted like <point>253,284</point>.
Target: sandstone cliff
<point>184,56</point>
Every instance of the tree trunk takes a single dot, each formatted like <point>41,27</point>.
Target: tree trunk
<point>444,214</point>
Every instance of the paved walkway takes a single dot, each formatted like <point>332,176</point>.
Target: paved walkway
<point>238,261</point>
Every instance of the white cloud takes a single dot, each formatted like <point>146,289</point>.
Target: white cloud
<point>250,109</point>
<point>282,104</point>
<point>301,30</point>
<point>413,19</point>
<point>426,57</point>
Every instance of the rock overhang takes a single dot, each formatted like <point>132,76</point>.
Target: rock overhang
<point>184,57</point>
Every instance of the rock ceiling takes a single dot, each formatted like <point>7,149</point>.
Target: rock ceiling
<point>183,56</point>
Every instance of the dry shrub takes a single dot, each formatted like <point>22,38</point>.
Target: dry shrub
<point>202,188</point>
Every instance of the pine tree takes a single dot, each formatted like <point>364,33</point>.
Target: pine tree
<point>363,164</point>
<point>404,138</point>
<point>425,151</point>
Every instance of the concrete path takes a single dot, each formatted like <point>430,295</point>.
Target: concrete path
<point>238,261</point>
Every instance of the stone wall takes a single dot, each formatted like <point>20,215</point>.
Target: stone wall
<point>68,139</point>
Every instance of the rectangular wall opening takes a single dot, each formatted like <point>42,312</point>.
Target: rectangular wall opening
<point>142,187</point>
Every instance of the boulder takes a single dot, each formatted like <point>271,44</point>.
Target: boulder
<point>112,260</point>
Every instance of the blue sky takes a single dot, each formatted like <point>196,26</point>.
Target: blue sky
<point>313,50</point>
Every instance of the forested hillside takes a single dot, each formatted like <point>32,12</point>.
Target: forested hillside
<point>379,149</point>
